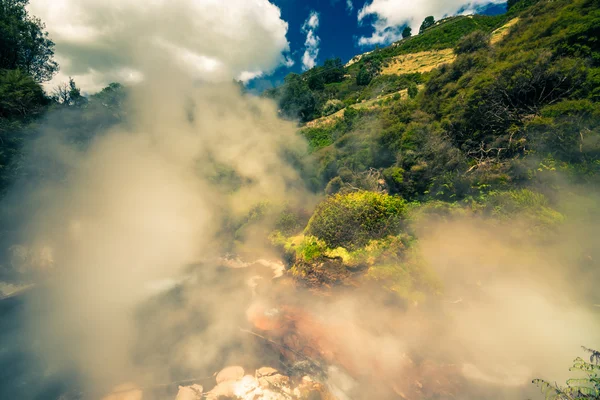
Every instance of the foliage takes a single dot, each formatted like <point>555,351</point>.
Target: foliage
<point>413,91</point>
<point>297,101</point>
<point>20,95</point>
<point>333,70</point>
<point>473,42</point>
<point>332,106</point>
<point>577,388</point>
<point>427,22</point>
<point>24,44</point>
<point>68,94</point>
<point>364,77</point>
<point>352,219</point>
<point>406,32</point>
<point>530,206</point>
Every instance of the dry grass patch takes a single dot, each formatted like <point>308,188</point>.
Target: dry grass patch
<point>501,32</point>
<point>423,61</point>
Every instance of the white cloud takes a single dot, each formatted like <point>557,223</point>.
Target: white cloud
<point>390,15</point>
<point>99,41</point>
<point>247,76</point>
<point>349,6</point>
<point>309,59</point>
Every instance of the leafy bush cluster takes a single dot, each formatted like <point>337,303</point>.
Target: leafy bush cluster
<point>351,220</point>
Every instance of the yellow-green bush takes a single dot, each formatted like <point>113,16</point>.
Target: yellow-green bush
<point>523,203</point>
<point>351,220</point>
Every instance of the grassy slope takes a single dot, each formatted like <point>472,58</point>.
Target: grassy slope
<point>432,152</point>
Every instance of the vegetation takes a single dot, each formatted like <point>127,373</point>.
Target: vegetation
<point>427,23</point>
<point>587,387</point>
<point>24,44</point>
<point>352,220</point>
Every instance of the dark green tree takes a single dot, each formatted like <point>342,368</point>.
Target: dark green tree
<point>333,70</point>
<point>511,3</point>
<point>24,44</point>
<point>315,79</point>
<point>20,95</point>
<point>427,22</point>
<point>407,32</point>
<point>363,78</point>
<point>297,101</point>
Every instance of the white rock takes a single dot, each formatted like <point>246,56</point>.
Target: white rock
<point>193,392</point>
<point>230,374</point>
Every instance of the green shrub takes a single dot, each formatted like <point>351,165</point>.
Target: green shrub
<point>524,203</point>
<point>473,42</point>
<point>351,220</point>
<point>413,91</point>
<point>332,106</point>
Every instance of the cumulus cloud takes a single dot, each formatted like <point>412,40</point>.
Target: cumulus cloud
<point>389,16</point>
<point>99,41</point>
<point>309,59</point>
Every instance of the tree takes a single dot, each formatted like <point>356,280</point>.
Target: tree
<point>297,101</point>
<point>333,70</point>
<point>511,3</point>
<point>371,67</point>
<point>68,94</point>
<point>363,78</point>
<point>20,96</point>
<point>407,32</point>
<point>427,22</point>
<point>23,42</point>
<point>315,79</point>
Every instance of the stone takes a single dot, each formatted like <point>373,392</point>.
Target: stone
<point>265,371</point>
<point>193,392</point>
<point>230,374</point>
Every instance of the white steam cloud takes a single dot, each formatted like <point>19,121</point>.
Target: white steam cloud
<point>97,40</point>
<point>309,59</point>
<point>390,15</point>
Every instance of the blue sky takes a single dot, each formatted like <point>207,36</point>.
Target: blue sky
<point>339,31</point>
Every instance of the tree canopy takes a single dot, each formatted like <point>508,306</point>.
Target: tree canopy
<point>427,22</point>
<point>24,44</point>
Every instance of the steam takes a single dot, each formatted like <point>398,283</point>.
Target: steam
<point>140,207</point>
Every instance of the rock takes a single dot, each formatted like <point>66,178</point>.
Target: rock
<point>265,371</point>
<point>230,374</point>
<point>224,389</point>
<point>193,392</point>
<point>274,381</point>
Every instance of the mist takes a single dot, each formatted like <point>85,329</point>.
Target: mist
<point>138,279</point>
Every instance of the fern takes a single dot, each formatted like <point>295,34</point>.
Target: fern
<point>577,388</point>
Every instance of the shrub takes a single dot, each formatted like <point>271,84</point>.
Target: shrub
<point>473,42</point>
<point>413,91</point>
<point>532,207</point>
<point>332,106</point>
<point>351,220</point>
